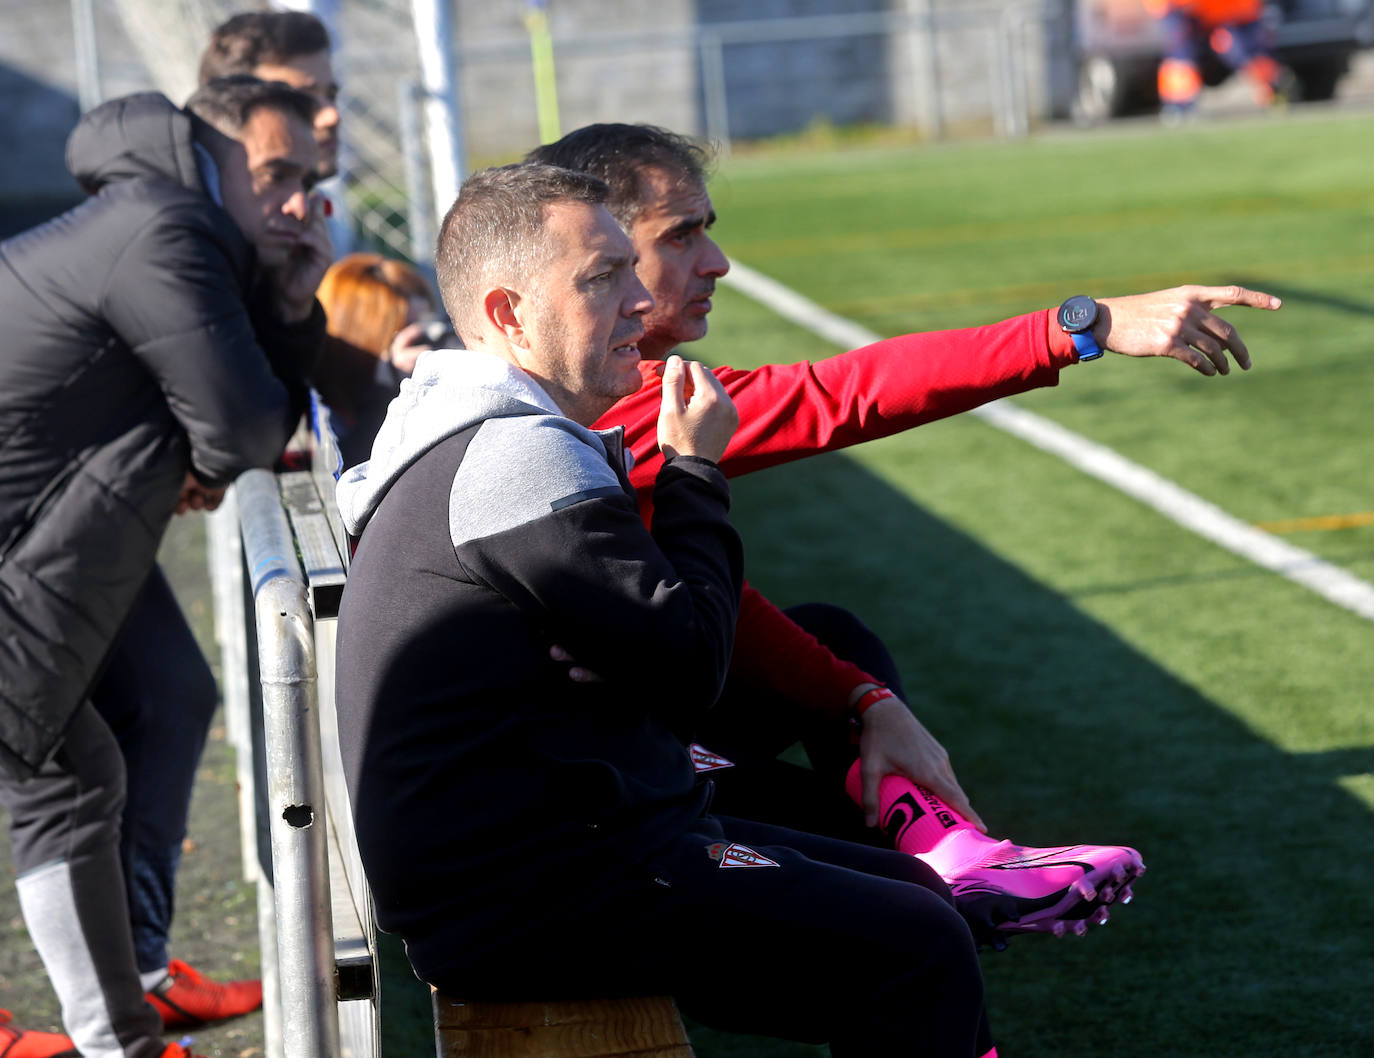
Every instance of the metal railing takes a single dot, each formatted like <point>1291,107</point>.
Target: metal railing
<point>277,572</point>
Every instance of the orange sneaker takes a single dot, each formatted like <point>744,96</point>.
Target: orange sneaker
<point>181,1049</point>
<point>184,998</point>
<point>26,1043</point>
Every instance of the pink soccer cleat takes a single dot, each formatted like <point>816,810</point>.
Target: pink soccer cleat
<point>1020,889</point>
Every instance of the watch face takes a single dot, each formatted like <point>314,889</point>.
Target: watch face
<point>1078,314</point>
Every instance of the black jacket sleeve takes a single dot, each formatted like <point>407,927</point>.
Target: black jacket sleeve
<point>176,299</point>
<point>654,613</point>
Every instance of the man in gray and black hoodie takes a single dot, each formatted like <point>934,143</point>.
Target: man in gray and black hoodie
<point>533,837</point>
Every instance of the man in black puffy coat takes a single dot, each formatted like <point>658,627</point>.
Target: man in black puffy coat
<point>155,345</point>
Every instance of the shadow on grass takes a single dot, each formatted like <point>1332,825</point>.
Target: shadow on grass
<point>1251,917</point>
<point>1254,913</point>
<point>1250,929</point>
<point>1255,910</point>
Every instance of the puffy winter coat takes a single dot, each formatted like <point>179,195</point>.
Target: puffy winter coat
<point>132,349</point>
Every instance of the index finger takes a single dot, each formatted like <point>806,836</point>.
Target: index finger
<point>702,375</point>
<point>1236,295</point>
<point>674,384</point>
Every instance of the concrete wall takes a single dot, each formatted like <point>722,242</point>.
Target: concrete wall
<point>653,79</point>
<point>616,60</point>
<point>786,85</point>
<point>38,102</point>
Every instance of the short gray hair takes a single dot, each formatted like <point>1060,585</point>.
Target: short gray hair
<point>494,232</point>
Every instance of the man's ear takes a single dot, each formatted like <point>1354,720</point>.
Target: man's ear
<point>501,308</point>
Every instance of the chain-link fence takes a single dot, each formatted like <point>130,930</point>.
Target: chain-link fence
<point>721,69</point>
<point>713,68</point>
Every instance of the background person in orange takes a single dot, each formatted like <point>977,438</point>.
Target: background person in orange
<point>380,314</point>
<point>1234,30</point>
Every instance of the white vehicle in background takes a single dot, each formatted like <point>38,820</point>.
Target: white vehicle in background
<point>1118,47</point>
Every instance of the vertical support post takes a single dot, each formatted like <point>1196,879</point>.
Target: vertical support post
<point>933,111</point>
<point>997,65</point>
<point>713,87</point>
<point>1011,31</point>
<point>439,77</point>
<point>294,774</point>
<point>541,61</point>
<point>224,554</point>
<point>88,92</point>
<point>419,214</point>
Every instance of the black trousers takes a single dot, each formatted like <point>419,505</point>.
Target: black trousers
<point>759,929</point>
<point>158,696</point>
<point>65,831</point>
<point>751,725</point>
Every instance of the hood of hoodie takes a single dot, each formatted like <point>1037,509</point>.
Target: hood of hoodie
<point>450,391</point>
<point>135,136</point>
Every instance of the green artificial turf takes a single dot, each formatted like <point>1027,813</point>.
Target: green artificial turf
<point>1097,672</point>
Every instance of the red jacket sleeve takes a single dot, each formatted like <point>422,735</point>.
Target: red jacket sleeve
<point>773,651</point>
<point>791,411</point>
<point>795,410</point>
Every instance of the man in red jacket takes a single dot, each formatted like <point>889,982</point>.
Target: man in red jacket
<point>815,672</point>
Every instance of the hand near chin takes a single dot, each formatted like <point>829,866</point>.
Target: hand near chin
<point>697,417</point>
<point>295,281</point>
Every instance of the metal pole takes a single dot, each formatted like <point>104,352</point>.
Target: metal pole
<point>419,216</point>
<point>1013,46</point>
<point>541,61</point>
<point>713,86</point>
<point>295,783</point>
<point>443,124</point>
<point>225,558</point>
<point>934,108</point>
<point>998,88</point>
<point>87,55</point>
<point>242,693</point>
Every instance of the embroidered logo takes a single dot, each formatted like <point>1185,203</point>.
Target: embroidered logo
<point>704,760</point>
<point>728,854</point>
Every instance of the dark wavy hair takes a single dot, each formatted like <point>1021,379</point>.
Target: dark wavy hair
<point>253,38</point>
<point>618,154</point>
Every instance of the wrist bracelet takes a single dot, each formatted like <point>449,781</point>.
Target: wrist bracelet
<point>869,699</point>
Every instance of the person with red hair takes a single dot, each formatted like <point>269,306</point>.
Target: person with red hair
<point>1234,30</point>
<point>381,317</point>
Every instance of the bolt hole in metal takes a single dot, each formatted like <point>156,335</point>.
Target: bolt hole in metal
<point>299,816</point>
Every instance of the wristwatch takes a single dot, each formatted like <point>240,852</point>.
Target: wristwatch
<point>1076,318</point>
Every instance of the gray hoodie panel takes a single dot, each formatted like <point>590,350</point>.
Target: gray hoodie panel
<point>525,460</point>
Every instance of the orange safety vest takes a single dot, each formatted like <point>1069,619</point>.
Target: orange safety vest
<point>1210,12</point>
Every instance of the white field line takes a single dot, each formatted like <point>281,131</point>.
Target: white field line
<point>1177,504</point>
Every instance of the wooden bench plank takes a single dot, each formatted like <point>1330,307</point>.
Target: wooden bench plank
<point>642,1027</point>
<point>321,561</point>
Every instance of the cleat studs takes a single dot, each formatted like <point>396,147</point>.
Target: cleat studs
<point>1080,929</point>
<point>1100,917</point>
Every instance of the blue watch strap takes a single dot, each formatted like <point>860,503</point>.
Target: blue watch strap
<point>1087,346</point>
